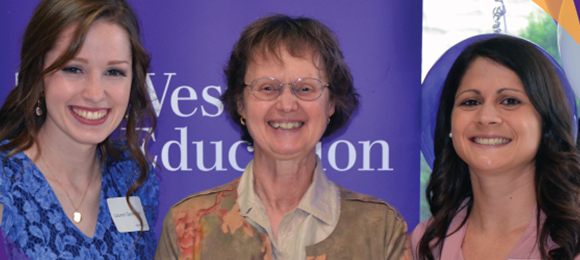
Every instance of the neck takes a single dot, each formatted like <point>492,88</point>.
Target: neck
<point>502,202</point>
<point>73,164</point>
<point>280,185</point>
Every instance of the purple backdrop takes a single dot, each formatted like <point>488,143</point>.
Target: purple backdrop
<point>190,43</point>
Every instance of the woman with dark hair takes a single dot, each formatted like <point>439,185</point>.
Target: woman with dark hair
<point>288,86</point>
<point>83,70</point>
<point>506,175</point>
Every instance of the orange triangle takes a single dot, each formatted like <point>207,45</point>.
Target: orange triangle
<point>564,12</point>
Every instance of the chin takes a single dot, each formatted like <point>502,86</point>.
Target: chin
<point>296,152</point>
<point>91,139</point>
<point>487,167</point>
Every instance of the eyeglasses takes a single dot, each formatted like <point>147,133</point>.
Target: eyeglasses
<point>268,88</point>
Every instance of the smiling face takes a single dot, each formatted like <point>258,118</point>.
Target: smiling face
<point>87,99</point>
<point>495,126</point>
<point>285,127</point>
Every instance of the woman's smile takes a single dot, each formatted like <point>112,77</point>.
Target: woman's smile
<point>286,125</point>
<point>490,141</point>
<point>90,114</point>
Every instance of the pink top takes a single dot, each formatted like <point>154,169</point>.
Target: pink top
<point>526,248</point>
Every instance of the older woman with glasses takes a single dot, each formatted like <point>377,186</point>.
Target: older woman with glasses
<point>288,86</point>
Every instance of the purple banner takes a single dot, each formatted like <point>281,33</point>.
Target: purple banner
<point>197,147</point>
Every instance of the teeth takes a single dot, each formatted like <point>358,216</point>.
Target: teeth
<point>90,115</point>
<point>491,141</point>
<point>286,126</point>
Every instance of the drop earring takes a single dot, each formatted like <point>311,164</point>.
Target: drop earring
<point>242,120</point>
<point>38,111</point>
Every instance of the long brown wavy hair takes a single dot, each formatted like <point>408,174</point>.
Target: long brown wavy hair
<point>18,121</point>
<point>557,176</point>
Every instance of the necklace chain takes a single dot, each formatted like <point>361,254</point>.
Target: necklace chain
<point>77,217</point>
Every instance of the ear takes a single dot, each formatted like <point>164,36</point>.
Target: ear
<point>331,106</point>
<point>240,107</point>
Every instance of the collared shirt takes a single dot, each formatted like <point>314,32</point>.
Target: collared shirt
<point>310,222</point>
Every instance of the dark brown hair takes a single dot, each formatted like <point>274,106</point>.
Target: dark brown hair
<point>300,36</point>
<point>18,122</point>
<point>557,176</point>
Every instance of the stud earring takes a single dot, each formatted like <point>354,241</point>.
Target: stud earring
<point>450,135</point>
<point>242,120</point>
<point>39,111</point>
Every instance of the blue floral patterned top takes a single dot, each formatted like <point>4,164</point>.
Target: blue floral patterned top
<point>35,225</point>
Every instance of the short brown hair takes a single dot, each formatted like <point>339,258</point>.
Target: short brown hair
<point>299,35</point>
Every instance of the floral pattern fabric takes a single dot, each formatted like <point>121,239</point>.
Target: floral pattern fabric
<point>35,224</point>
<point>208,225</point>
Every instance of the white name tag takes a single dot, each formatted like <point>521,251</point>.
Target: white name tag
<point>123,217</point>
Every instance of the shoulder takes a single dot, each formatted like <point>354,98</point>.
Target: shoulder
<point>125,163</point>
<point>368,224</point>
<point>373,217</point>
<point>198,199</point>
<point>13,166</point>
<point>371,204</point>
<point>418,232</point>
<point>124,172</point>
<point>126,167</point>
<point>5,153</point>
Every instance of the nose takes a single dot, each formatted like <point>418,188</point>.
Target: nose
<point>287,100</point>
<point>94,89</point>
<point>488,114</point>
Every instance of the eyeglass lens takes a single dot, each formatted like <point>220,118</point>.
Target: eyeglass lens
<point>270,88</point>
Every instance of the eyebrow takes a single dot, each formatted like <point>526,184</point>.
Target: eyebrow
<point>509,89</point>
<point>479,92</point>
<point>113,62</point>
<point>83,60</point>
<point>469,90</point>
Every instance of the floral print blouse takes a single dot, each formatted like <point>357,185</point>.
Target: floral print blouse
<point>208,225</point>
<point>35,227</point>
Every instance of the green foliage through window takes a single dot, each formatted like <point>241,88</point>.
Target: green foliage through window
<point>543,31</point>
